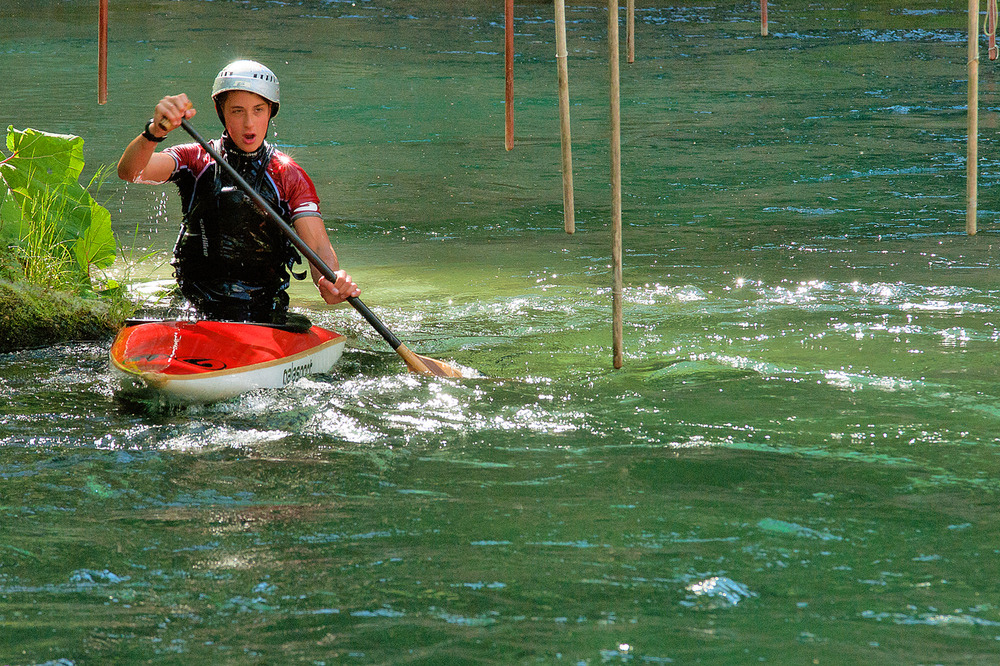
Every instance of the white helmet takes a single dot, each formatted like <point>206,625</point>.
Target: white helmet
<point>247,75</point>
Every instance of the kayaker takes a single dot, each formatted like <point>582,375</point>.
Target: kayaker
<point>231,261</point>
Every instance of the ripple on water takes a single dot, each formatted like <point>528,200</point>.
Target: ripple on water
<point>715,593</point>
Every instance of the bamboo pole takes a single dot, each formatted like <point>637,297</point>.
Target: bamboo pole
<point>509,74</point>
<point>630,30</point>
<point>991,27</point>
<point>616,186</point>
<point>569,215</point>
<point>102,52</point>
<point>972,152</point>
<point>763,18</point>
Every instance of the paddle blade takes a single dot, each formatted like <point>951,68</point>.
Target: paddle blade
<point>439,368</point>
<point>426,366</point>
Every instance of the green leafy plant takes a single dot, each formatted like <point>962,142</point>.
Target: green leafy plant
<point>59,231</point>
<point>44,257</point>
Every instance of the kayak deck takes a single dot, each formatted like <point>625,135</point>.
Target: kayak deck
<point>206,361</point>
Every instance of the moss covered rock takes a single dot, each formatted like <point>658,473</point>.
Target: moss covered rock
<point>33,317</point>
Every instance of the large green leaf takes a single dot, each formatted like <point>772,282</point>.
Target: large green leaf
<point>55,158</point>
<point>42,178</point>
<point>96,247</point>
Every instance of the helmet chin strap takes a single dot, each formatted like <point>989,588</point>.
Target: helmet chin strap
<point>250,166</point>
<point>232,149</point>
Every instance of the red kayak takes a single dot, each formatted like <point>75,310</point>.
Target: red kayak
<point>207,361</point>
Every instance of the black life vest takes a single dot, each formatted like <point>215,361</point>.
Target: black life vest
<point>231,260</point>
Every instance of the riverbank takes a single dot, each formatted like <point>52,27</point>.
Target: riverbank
<point>32,316</point>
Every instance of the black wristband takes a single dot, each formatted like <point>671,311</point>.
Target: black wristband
<point>148,136</point>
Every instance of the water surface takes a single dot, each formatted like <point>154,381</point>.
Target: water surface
<point>797,463</point>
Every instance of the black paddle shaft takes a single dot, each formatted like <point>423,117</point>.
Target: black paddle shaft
<point>297,241</point>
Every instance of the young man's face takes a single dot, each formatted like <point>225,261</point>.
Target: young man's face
<point>247,115</point>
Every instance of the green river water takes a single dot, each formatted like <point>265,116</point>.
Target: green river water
<point>798,463</point>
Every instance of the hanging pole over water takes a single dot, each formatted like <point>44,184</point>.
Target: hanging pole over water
<point>630,30</point>
<point>763,18</point>
<point>616,187</point>
<point>991,27</point>
<point>509,74</point>
<point>569,216</point>
<point>972,152</point>
<point>102,52</point>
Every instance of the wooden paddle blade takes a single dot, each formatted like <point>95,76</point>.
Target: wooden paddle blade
<point>440,368</point>
<point>426,366</point>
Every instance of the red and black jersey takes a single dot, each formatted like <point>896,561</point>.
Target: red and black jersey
<point>296,193</point>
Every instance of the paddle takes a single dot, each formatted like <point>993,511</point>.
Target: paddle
<point>414,362</point>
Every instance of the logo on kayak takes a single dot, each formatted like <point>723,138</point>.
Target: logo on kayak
<point>206,363</point>
<point>297,372</point>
